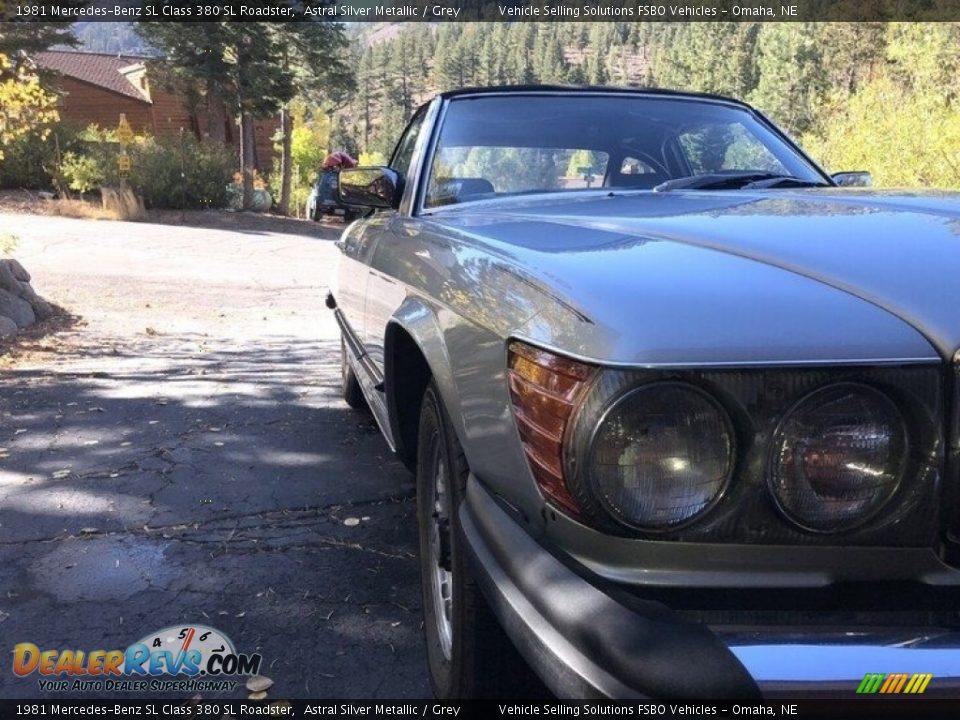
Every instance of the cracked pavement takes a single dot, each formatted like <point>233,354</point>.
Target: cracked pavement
<point>180,454</point>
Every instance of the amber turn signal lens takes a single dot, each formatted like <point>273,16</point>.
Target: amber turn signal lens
<point>545,390</point>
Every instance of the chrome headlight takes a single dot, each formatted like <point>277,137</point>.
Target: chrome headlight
<point>661,456</point>
<point>837,457</point>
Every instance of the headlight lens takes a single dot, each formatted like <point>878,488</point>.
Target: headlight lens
<point>838,457</point>
<point>661,456</point>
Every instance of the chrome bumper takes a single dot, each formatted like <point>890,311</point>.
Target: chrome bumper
<point>589,640</point>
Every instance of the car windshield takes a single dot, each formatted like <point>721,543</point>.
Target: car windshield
<point>501,145</point>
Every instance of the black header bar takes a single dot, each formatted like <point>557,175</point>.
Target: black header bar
<point>915,708</point>
<point>484,10</point>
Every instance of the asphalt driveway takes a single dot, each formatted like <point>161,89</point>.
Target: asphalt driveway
<point>180,455</point>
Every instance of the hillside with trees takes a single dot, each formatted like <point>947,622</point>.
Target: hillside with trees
<point>877,96</point>
<point>874,96</point>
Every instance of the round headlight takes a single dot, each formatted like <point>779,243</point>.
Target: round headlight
<point>661,456</point>
<point>838,457</point>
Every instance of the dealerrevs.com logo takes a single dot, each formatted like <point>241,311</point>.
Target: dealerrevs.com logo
<point>894,683</point>
<point>175,659</point>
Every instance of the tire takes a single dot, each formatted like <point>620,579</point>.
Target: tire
<point>349,216</point>
<point>468,653</point>
<point>350,386</point>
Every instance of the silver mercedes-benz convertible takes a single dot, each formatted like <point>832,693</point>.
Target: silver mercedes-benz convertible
<point>684,410</point>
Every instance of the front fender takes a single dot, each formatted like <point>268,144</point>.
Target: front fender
<point>418,323</point>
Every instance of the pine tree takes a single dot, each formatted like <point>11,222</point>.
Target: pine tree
<point>22,40</point>
<point>792,78</point>
<point>254,68</point>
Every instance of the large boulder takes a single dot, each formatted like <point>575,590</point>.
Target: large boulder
<point>20,306</point>
<point>7,327</point>
<point>9,280</point>
<point>19,272</point>
<point>41,308</point>
<point>17,309</point>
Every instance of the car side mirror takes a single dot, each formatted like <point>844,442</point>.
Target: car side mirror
<point>370,187</point>
<point>858,178</point>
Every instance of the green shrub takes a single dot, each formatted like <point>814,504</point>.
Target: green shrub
<point>31,161</point>
<point>8,243</point>
<point>84,172</point>
<point>162,171</point>
<point>194,175</point>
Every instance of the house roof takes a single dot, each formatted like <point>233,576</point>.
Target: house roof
<point>106,71</point>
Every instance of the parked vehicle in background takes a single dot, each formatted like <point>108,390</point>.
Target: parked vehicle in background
<point>684,412</point>
<point>324,197</point>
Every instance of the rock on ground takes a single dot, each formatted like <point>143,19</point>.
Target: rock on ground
<point>7,327</point>
<point>19,303</point>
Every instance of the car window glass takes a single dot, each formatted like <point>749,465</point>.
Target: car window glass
<point>726,146</point>
<point>404,151</point>
<point>636,166</point>
<point>509,144</point>
<point>469,173</point>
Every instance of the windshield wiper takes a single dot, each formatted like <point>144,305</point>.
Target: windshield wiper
<point>734,181</point>
<point>784,181</point>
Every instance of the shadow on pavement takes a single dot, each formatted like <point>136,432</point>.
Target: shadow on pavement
<point>198,481</point>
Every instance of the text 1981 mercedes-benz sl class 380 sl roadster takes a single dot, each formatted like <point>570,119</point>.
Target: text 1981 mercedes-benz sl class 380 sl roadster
<point>683,409</point>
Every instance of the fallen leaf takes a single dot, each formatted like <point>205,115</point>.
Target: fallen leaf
<point>351,522</point>
<point>151,331</point>
<point>58,474</point>
<point>88,530</point>
<point>257,696</point>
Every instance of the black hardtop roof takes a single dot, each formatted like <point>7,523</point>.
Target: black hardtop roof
<point>520,89</point>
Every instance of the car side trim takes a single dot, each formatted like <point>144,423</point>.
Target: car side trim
<point>356,347</point>
<point>369,377</point>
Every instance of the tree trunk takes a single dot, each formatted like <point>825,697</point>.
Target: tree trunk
<point>216,120</point>
<point>286,160</point>
<point>247,153</point>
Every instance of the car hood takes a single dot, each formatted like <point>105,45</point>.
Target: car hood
<point>734,276</point>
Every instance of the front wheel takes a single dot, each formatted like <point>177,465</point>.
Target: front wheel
<point>468,653</point>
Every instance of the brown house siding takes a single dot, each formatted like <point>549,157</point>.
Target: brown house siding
<point>84,104</point>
